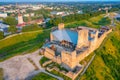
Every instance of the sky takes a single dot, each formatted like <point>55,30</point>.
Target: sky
<point>50,0</point>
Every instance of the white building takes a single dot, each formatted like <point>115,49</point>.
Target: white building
<point>3,15</point>
<point>30,14</point>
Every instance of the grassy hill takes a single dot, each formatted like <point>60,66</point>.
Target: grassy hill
<point>22,43</point>
<point>106,65</point>
<point>94,22</point>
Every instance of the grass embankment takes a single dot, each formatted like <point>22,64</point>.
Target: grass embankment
<point>22,43</point>
<point>43,76</point>
<point>106,65</point>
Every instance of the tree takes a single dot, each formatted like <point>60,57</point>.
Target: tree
<point>12,29</point>
<point>10,20</point>
<point>31,27</point>
<point>1,35</point>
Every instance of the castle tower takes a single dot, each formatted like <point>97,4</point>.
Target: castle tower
<point>82,38</point>
<point>20,18</point>
<point>61,26</point>
<point>69,59</point>
<point>94,43</point>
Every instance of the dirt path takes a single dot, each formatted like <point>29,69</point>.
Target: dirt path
<point>20,68</point>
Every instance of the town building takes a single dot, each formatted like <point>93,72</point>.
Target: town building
<point>4,28</point>
<point>70,46</point>
<point>3,15</point>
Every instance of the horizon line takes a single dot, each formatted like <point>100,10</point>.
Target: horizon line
<point>59,1</point>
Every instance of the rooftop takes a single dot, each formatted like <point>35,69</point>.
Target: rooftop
<point>67,35</point>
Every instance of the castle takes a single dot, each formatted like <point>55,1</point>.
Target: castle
<point>70,46</point>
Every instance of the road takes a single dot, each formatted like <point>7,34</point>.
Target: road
<point>21,68</point>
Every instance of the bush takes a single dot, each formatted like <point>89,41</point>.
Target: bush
<point>43,60</point>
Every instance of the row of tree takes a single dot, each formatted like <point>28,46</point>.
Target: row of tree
<point>72,18</point>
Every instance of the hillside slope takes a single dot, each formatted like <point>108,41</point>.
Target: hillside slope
<point>106,65</point>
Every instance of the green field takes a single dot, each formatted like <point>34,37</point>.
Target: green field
<point>106,65</point>
<point>94,22</point>
<point>22,43</point>
<point>43,76</point>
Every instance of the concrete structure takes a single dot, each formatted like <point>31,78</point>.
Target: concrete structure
<point>68,47</point>
<point>3,15</point>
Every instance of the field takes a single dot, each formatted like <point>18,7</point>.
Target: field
<point>43,76</point>
<point>88,23</point>
<point>22,43</point>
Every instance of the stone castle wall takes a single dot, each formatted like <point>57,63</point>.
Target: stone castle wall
<point>49,53</point>
<point>72,59</point>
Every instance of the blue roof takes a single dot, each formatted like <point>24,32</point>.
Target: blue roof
<point>66,34</point>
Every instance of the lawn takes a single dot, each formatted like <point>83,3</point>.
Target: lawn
<point>22,43</point>
<point>43,76</point>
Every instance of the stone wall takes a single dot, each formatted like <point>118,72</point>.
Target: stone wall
<point>69,74</point>
<point>71,59</point>
<point>49,53</point>
<point>82,38</point>
<point>46,63</point>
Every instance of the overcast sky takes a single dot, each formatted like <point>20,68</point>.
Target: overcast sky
<point>50,0</point>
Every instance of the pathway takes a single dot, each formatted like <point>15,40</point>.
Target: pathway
<point>20,68</point>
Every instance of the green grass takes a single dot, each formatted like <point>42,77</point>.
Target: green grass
<point>1,74</point>
<point>95,22</point>
<point>60,74</point>
<point>54,64</point>
<point>43,60</point>
<point>22,43</point>
<point>43,76</point>
<point>87,23</point>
